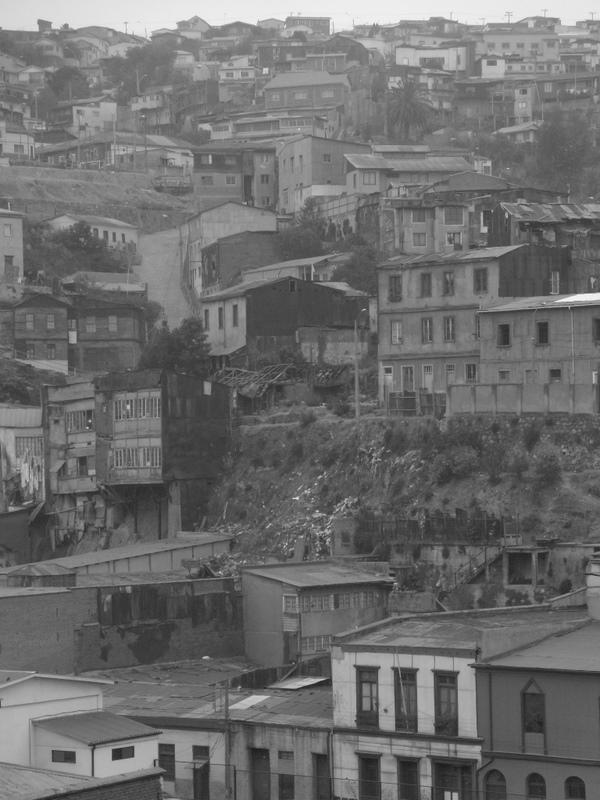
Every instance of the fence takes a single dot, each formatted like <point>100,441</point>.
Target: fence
<point>416,404</point>
<point>523,398</point>
<point>440,528</point>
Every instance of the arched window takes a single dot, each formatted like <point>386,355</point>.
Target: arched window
<point>495,786</point>
<point>535,787</point>
<point>574,788</point>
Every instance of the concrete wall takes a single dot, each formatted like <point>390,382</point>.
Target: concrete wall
<point>330,345</point>
<point>522,398</point>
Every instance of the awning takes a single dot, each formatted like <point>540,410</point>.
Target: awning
<point>56,467</point>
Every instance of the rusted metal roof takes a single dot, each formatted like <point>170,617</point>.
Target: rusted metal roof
<point>96,727</point>
<point>552,212</point>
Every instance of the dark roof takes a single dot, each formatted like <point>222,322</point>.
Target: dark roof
<point>469,180</point>
<point>96,727</point>
<point>307,574</point>
<point>553,212</point>
<point>476,254</point>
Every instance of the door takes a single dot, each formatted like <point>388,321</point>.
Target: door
<point>408,379</point>
<point>428,377</point>
<point>201,775</point>
<point>322,785</point>
<point>369,778</point>
<point>261,774</point>
<point>453,781</point>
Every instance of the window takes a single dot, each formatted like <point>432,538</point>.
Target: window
<point>574,789</point>
<point>477,327</point>
<point>290,603</point>
<point>220,318</point>
<point>292,285</point>
<point>480,280</point>
<point>449,329</point>
<point>369,178</point>
<point>448,284</point>
<point>427,330</point>
<point>29,445</point>
<point>503,335</point>
<point>419,239</point>
<point>90,324</point>
<point>453,215</point>
<point>234,315</point>
<point>206,159</point>
<point>206,180</point>
<point>495,785</point>
<point>300,95</point>
<point>112,323</point>
<point>454,238</point>
<point>535,787</point>
<point>114,236</point>
<point>105,235</point>
<point>30,350</point>
<point>230,180</point>
<point>96,232</point>
<point>367,698</point>
<point>405,694</point>
<point>395,288</point>
<point>9,261</point>
<point>166,760</point>
<point>450,373</point>
<point>50,322</point>
<point>286,786</point>
<point>369,782</point>
<point>533,709</point>
<point>29,322</point>
<point>50,351</point>
<point>80,420</point>
<point>446,703</point>
<point>542,333</point>
<point>396,331</point>
<point>200,752</point>
<point>264,178</point>
<point>327,158</point>
<point>137,407</point>
<point>555,282</point>
<point>122,753</point>
<point>408,779</point>
<point>426,284</point>
<point>419,215</point>
<point>8,232</point>
<point>64,757</point>
<point>206,319</point>
<point>555,375</point>
<point>503,375</point>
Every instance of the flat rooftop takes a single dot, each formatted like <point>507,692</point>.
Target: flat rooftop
<point>304,574</point>
<point>465,631</point>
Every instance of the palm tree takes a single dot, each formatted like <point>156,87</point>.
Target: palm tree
<point>407,107</point>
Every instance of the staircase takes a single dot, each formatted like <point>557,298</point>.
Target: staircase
<point>476,564</point>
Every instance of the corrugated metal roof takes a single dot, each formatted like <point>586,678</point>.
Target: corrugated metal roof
<point>306,77</point>
<point>317,573</point>
<point>476,254</point>
<point>92,219</point>
<point>552,212</point>
<point>96,727</point>
<point>20,416</point>
<point>546,302</point>
<point>428,164</point>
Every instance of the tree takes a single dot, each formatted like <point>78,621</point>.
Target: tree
<point>304,238</point>
<point>407,108</point>
<point>360,270</point>
<point>564,148</point>
<point>184,349</point>
<point>69,83</point>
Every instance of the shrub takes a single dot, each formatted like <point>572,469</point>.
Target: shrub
<point>531,435</point>
<point>341,408</point>
<point>395,439</point>
<point>493,460</point>
<point>307,417</point>
<point>330,456</point>
<point>296,452</point>
<point>547,469</point>
<point>445,552</point>
<point>517,461</point>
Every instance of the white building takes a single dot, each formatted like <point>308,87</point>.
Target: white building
<point>116,233</point>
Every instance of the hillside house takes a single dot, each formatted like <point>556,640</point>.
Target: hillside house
<point>226,258</point>
<point>366,174</point>
<point>317,25</point>
<point>236,170</point>
<point>306,90</point>
<point>40,331</point>
<point>429,305</point>
<point>264,317</point>
<point>84,117</point>
<point>21,458</point>
<point>312,166</point>
<point>11,246</point>
<point>115,233</point>
<point>292,611</point>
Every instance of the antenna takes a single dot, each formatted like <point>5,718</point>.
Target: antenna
<point>508,15</point>
<point>126,24</point>
<point>544,11</point>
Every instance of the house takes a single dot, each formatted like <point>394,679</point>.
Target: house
<point>538,737</point>
<point>237,80</point>
<point>106,332</point>
<point>164,434</point>
<point>212,224</point>
<point>41,330</point>
<point>115,233</point>
<point>292,610</point>
<point>454,57</point>
<point>231,729</point>
<point>316,268</point>
<point>125,283</point>
<point>407,699</point>
<point>312,166</point>
<point>519,40</point>
<point>260,318</point>
<point>27,783</point>
<point>16,143</point>
<point>426,224</point>
<point>318,25</point>
<point>429,307</point>
<point>306,90</point>
<point>237,170</point>
<point>541,353</point>
<point>57,722</point>
<point>271,24</point>
<point>227,257</point>
<point>366,174</point>
<point>84,117</point>
<point>11,246</point>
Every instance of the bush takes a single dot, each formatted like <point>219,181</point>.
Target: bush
<point>307,417</point>
<point>517,461</point>
<point>531,435</point>
<point>341,408</point>
<point>547,469</point>
<point>493,461</point>
<point>395,439</point>
<point>330,456</point>
<point>447,466</point>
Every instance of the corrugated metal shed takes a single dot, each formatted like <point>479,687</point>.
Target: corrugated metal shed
<point>96,727</point>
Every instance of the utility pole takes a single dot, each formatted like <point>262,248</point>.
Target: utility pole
<point>508,15</point>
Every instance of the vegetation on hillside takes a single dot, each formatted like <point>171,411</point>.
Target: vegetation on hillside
<point>184,349</point>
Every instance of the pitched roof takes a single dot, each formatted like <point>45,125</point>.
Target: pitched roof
<point>553,212</point>
<point>427,164</point>
<point>548,303</point>
<point>96,727</point>
<point>307,574</point>
<point>92,219</point>
<point>476,254</point>
<point>289,80</point>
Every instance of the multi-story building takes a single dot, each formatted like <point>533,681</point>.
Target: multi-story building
<point>237,170</point>
<point>407,706</point>
<point>11,246</point>
<point>224,259</point>
<point>378,172</point>
<point>318,25</point>
<point>115,233</point>
<point>312,166</point>
<point>237,80</point>
<point>454,57</point>
<point>519,40</point>
<point>85,117</point>
<point>40,330</point>
<point>291,611</point>
<point>428,310</point>
<point>426,225</point>
<point>306,90</point>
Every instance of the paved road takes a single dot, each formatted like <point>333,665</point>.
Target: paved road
<point>160,269</point>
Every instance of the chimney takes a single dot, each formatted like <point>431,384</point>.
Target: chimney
<point>592,582</point>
